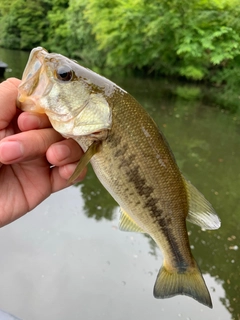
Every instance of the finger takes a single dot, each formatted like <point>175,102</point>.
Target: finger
<point>27,145</point>
<point>67,170</point>
<point>30,121</point>
<point>60,176</point>
<point>64,152</point>
<point>8,97</point>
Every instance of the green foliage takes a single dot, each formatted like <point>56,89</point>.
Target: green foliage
<point>172,37</point>
<point>198,39</point>
<point>83,45</point>
<point>188,92</point>
<point>10,32</point>
<point>24,25</point>
<point>58,32</point>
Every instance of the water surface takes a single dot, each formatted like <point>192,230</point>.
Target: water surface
<point>68,260</point>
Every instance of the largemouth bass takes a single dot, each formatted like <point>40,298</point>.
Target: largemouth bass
<point>131,158</point>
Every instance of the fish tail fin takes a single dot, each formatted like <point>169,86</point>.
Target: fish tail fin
<point>177,282</point>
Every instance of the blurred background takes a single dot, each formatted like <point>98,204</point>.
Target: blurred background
<point>67,259</point>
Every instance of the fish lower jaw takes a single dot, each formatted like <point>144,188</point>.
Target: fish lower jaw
<point>26,103</point>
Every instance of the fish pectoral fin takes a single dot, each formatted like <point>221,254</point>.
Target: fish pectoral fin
<point>200,211</point>
<point>126,223</point>
<point>189,282</point>
<point>91,151</point>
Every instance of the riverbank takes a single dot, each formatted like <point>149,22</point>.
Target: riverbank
<point>222,97</point>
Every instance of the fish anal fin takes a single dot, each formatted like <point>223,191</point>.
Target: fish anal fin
<point>200,210</point>
<point>126,223</point>
<point>91,151</point>
<point>189,283</point>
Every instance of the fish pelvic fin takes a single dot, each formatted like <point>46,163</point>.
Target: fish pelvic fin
<point>200,211</point>
<point>91,151</point>
<point>126,223</point>
<point>189,282</point>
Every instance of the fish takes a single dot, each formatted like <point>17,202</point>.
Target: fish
<point>131,158</point>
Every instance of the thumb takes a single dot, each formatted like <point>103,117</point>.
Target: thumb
<point>8,97</point>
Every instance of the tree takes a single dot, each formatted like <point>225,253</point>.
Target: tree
<point>24,23</point>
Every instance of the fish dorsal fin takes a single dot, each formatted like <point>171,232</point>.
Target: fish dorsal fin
<point>200,211</point>
<point>126,223</point>
<point>91,151</point>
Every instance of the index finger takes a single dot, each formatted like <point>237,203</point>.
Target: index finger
<point>8,97</point>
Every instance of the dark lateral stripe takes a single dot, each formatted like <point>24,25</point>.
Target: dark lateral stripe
<point>151,205</point>
<point>145,191</point>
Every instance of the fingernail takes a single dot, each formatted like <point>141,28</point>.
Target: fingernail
<point>10,151</point>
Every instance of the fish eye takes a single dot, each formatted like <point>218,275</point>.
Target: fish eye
<point>64,73</point>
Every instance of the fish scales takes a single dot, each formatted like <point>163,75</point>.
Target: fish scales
<point>131,158</point>
<point>138,164</point>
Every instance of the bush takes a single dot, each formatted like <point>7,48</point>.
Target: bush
<point>198,39</point>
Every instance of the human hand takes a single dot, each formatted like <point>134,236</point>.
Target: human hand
<point>28,145</point>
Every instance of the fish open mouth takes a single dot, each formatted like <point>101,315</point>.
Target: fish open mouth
<point>34,81</point>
